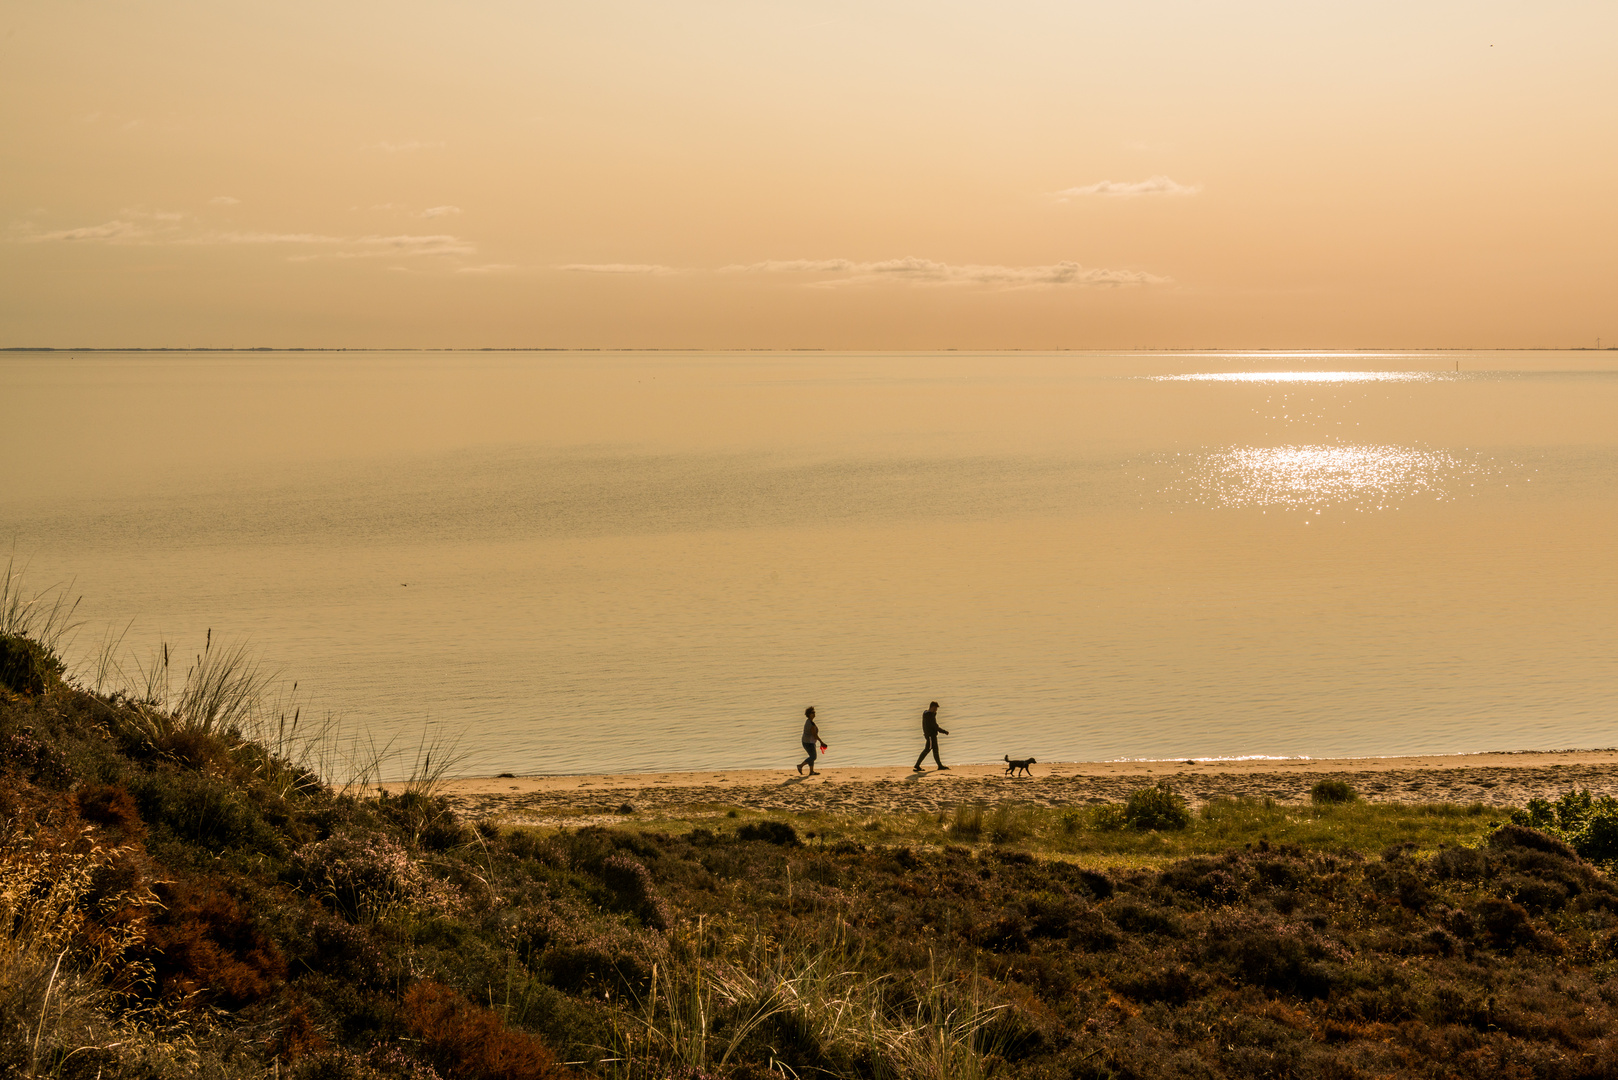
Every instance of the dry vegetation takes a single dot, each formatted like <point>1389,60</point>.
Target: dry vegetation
<point>178,900</point>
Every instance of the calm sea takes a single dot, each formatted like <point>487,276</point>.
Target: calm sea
<point>603,561</point>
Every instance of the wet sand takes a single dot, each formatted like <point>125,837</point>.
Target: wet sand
<point>1496,779</point>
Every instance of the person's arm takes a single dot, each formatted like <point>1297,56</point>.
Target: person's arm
<point>943,731</point>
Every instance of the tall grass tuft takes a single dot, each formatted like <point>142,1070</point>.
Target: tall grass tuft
<point>811,1004</point>
<point>52,960</point>
<point>967,823</point>
<point>46,617</point>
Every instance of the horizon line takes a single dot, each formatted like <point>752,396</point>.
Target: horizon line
<point>791,348</point>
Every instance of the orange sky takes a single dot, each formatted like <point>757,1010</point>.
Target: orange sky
<point>843,175</point>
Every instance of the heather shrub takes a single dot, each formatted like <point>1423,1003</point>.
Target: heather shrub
<point>774,832</point>
<point>1156,807</point>
<point>112,807</point>
<point>340,948</point>
<point>35,758</point>
<point>368,875</point>
<point>1332,791</point>
<point>466,1040</point>
<point>204,948</point>
<point>633,885</point>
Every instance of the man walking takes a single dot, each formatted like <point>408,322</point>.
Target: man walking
<point>931,731</point>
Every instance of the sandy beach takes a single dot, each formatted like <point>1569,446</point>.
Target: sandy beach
<point>1496,779</point>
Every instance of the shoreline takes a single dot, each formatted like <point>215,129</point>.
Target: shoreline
<point>1497,778</point>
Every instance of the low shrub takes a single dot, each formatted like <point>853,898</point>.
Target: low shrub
<point>36,758</point>
<point>1156,807</point>
<point>633,885</point>
<point>205,949</point>
<point>773,832</point>
<point>1332,791</point>
<point>367,875</point>
<point>466,1040</point>
<point>27,667</point>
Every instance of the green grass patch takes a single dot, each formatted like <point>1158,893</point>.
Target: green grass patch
<point>1100,835</point>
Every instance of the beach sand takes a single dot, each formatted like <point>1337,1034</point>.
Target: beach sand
<point>1496,779</point>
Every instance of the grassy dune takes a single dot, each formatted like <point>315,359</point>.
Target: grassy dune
<point>182,899</point>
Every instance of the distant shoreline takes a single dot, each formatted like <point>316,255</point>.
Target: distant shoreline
<point>1499,778</point>
<point>769,348</point>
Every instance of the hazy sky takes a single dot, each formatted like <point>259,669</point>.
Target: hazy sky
<point>876,174</point>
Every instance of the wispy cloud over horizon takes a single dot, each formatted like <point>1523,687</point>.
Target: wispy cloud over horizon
<point>224,200</point>
<point>122,231</point>
<point>1129,189</point>
<point>618,268</point>
<point>117,229</point>
<point>915,271</point>
<point>440,211</point>
<point>791,266</point>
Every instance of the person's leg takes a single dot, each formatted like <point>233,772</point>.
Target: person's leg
<point>809,748</point>
<point>932,741</point>
<point>921,756</point>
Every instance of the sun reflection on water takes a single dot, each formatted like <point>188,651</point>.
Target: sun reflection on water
<point>1363,477</point>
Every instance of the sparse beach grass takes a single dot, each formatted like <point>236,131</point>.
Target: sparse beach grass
<point>1073,834</point>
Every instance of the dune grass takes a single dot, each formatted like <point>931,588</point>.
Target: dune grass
<point>1088,835</point>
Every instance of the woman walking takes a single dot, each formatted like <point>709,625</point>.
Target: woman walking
<point>811,736</point>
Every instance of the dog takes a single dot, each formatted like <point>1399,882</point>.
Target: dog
<point>1013,766</point>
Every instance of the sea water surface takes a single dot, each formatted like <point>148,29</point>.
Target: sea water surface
<point>595,561</point>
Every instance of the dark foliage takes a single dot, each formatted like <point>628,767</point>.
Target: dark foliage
<point>1332,791</point>
<point>205,949</point>
<point>27,667</point>
<point>1156,807</point>
<point>773,832</point>
<point>466,1040</point>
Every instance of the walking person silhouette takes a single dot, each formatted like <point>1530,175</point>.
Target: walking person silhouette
<point>931,731</point>
<point>811,736</point>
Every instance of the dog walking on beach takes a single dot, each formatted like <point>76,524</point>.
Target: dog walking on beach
<point>811,736</point>
<point>1013,764</point>
<point>931,731</point>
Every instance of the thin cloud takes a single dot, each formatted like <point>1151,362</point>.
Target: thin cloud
<point>791,266</point>
<point>378,247</point>
<point>487,268</point>
<point>346,247</point>
<point>440,211</point>
<point>107,232</point>
<point>618,268</point>
<point>1130,189</point>
<point>224,238</point>
<point>224,200</point>
<point>930,272</point>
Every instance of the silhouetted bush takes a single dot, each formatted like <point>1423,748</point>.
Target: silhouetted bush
<point>27,667</point>
<point>772,832</point>
<point>633,884</point>
<point>1332,791</point>
<point>1156,807</point>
